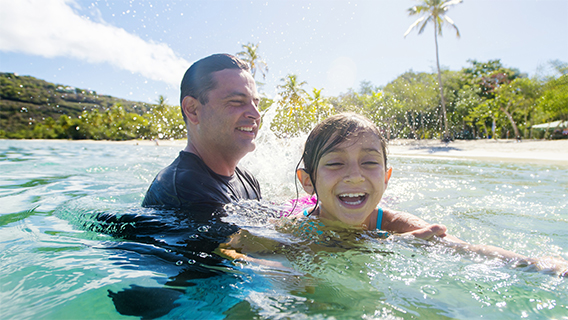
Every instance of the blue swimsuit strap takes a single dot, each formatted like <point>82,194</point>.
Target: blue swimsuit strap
<point>379,216</point>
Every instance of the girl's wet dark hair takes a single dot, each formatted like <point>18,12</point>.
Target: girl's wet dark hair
<point>331,132</point>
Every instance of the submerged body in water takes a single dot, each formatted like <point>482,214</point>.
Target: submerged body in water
<point>50,188</point>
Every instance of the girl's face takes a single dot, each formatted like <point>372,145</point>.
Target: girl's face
<point>351,180</point>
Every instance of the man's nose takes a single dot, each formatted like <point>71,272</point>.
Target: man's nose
<point>252,111</point>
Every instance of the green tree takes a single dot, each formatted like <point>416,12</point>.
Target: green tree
<point>435,11</point>
<point>416,98</point>
<point>164,122</point>
<point>468,98</point>
<point>518,99</point>
<point>487,78</point>
<point>554,100</point>
<point>256,63</point>
<point>318,106</point>
<point>290,118</point>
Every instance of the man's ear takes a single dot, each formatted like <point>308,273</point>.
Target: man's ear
<point>388,176</point>
<point>305,180</point>
<point>189,106</point>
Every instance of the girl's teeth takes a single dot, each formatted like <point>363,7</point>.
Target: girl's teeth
<point>354,203</point>
<point>352,198</point>
<point>352,195</point>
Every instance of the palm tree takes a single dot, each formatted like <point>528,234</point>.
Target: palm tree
<point>250,56</point>
<point>292,93</point>
<point>435,11</point>
<point>293,101</point>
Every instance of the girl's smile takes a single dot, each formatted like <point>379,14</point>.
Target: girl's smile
<point>351,180</point>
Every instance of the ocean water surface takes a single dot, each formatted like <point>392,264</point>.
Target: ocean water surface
<point>75,243</point>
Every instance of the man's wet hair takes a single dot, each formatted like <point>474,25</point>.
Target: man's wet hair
<point>198,79</point>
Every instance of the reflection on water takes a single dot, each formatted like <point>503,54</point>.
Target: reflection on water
<point>74,241</point>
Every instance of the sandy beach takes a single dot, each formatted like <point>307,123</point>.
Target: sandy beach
<point>528,151</point>
<point>533,151</point>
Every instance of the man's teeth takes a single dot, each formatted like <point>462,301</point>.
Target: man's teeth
<point>249,129</point>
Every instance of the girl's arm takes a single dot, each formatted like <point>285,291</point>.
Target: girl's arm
<point>556,266</point>
<point>400,222</point>
<point>406,223</point>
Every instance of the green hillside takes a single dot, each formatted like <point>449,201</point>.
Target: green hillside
<point>32,108</point>
<point>25,101</point>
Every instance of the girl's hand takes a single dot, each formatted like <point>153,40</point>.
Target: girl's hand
<point>429,231</point>
<point>551,265</point>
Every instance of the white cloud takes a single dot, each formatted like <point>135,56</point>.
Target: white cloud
<point>50,28</point>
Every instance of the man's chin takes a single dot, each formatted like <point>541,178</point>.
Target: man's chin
<point>247,147</point>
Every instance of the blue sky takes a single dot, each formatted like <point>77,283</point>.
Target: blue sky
<point>140,49</point>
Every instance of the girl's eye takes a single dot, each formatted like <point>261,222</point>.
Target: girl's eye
<point>372,163</point>
<point>333,164</point>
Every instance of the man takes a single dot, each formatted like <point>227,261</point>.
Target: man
<point>219,106</point>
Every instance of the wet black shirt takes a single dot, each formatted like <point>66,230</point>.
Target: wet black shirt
<point>188,182</point>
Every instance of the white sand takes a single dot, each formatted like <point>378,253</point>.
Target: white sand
<point>533,151</point>
<point>528,151</point>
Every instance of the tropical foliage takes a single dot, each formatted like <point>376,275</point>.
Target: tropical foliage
<point>484,99</point>
<point>256,63</point>
<point>36,109</point>
<point>435,11</point>
<point>296,110</point>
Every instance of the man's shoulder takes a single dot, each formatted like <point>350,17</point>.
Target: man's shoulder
<point>180,182</point>
<point>246,174</point>
<point>188,180</point>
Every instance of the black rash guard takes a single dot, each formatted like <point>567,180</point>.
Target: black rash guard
<point>188,181</point>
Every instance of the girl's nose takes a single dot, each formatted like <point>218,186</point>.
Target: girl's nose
<point>353,175</point>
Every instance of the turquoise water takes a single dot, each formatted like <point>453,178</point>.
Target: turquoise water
<point>59,262</point>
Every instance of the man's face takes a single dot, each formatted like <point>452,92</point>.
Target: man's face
<point>229,121</point>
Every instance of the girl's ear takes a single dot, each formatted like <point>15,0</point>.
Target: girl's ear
<point>388,176</point>
<point>189,106</point>
<point>305,180</point>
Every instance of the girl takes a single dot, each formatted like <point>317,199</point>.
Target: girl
<point>345,169</point>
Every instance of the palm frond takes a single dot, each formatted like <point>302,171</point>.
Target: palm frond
<point>451,3</point>
<point>451,22</point>
<point>412,26</point>
<point>424,25</point>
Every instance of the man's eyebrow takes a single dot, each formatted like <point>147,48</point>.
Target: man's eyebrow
<point>235,94</point>
<point>240,95</point>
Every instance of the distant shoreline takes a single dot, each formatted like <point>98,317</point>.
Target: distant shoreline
<point>527,151</point>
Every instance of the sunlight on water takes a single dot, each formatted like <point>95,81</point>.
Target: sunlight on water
<point>75,241</point>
